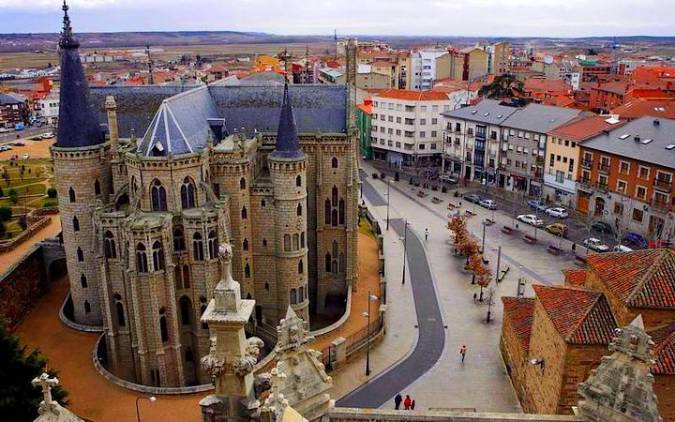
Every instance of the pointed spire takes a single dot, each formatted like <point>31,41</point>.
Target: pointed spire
<point>288,145</point>
<point>78,124</point>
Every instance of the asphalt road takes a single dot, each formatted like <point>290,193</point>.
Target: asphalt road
<point>26,133</point>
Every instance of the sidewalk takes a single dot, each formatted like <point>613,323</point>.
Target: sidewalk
<point>51,230</point>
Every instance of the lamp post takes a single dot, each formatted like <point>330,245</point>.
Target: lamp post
<point>405,244</point>
<point>371,298</point>
<point>151,399</point>
<point>387,203</point>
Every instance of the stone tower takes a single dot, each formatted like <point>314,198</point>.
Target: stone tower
<point>288,171</point>
<point>621,390</point>
<point>82,175</point>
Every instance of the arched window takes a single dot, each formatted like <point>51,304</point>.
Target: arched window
<point>71,194</point>
<point>109,245</point>
<point>186,277</point>
<point>158,196</point>
<point>327,212</point>
<point>334,163</point>
<point>294,297</point>
<point>298,210</point>
<point>264,243</point>
<point>263,204</point>
<point>242,183</point>
<point>83,281</point>
<point>80,254</point>
<point>302,239</point>
<point>141,259</point>
<point>213,245</point>
<point>296,242</point>
<point>341,209</point>
<point>187,193</point>
<point>119,308</point>
<point>328,263</point>
<point>244,244</point>
<point>76,224</point>
<point>185,310</point>
<point>301,267</point>
<point>178,240</point>
<point>267,287</point>
<point>163,330</point>
<point>97,188</point>
<point>244,213</point>
<point>87,307</point>
<point>334,217</point>
<point>287,242</point>
<point>334,196</point>
<point>247,271</point>
<point>157,256</point>
<point>197,247</point>
<point>298,181</point>
<point>301,294</point>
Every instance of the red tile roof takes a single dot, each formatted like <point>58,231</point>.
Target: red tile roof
<point>640,107</point>
<point>402,94</point>
<point>581,316</point>
<point>366,108</point>
<point>618,87</point>
<point>664,350</point>
<point>575,277</point>
<point>547,85</point>
<point>642,279</point>
<point>519,311</point>
<point>584,128</point>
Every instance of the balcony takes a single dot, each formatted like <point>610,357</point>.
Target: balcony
<point>587,164</point>
<point>540,160</point>
<point>585,185</point>
<point>661,206</point>
<point>603,168</point>
<point>663,185</point>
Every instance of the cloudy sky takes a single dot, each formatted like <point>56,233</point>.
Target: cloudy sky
<point>556,18</point>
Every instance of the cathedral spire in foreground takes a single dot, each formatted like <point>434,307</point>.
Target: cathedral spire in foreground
<point>78,125</point>
<point>288,145</point>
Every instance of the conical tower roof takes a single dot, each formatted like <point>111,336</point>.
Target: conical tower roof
<point>78,125</point>
<point>288,145</point>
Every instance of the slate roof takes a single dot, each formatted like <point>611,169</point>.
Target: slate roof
<point>9,99</point>
<point>660,133</point>
<point>664,350</point>
<point>288,145</point>
<point>579,315</point>
<point>263,78</point>
<point>520,312</point>
<point>641,279</point>
<point>540,118</point>
<point>487,111</point>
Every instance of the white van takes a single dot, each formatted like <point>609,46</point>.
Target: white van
<point>621,248</point>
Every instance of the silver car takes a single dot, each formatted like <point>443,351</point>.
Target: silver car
<point>488,203</point>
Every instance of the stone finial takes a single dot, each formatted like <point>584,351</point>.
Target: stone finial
<point>291,331</point>
<point>227,292</point>
<point>46,383</point>
<point>110,103</point>
<point>275,402</point>
<point>621,389</point>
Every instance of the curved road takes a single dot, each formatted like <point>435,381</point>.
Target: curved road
<point>431,333</point>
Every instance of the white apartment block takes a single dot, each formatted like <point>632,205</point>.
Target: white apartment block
<point>423,72</point>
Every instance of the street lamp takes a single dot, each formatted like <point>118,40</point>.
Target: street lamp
<point>405,244</point>
<point>151,399</point>
<point>371,298</point>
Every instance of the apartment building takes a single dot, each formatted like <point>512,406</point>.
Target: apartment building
<point>626,177</point>
<point>523,146</point>
<point>562,155</point>
<point>469,63</point>
<point>406,127</point>
<point>471,137</point>
<point>424,67</point>
<point>13,110</point>
<point>498,58</point>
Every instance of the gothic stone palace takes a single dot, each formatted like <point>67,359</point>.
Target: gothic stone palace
<point>269,169</point>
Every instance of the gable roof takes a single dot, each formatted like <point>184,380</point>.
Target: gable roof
<point>640,107</point>
<point>403,94</point>
<point>641,279</point>
<point>584,127</point>
<point>519,311</point>
<point>486,111</point>
<point>664,350</point>
<point>540,118</point>
<point>579,315</point>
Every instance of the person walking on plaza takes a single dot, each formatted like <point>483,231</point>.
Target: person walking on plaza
<point>412,405</point>
<point>462,351</point>
<point>407,402</point>
<point>397,401</point>
<point>426,234</point>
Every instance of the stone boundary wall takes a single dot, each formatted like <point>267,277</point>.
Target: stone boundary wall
<point>34,227</point>
<point>349,414</point>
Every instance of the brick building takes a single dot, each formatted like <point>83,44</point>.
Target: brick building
<point>13,110</point>
<point>550,343</point>
<point>626,177</point>
<point>268,169</point>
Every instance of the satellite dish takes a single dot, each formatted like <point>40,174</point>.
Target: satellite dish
<point>548,59</point>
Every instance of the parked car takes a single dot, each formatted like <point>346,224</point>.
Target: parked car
<point>36,138</point>
<point>47,135</point>
<point>537,204</point>
<point>530,219</point>
<point>448,179</point>
<point>595,244</point>
<point>26,156</point>
<point>634,241</point>
<point>473,198</point>
<point>5,148</point>
<point>621,248</point>
<point>557,212</point>
<point>488,203</point>
<point>602,227</point>
<point>557,229</point>
<point>19,144</point>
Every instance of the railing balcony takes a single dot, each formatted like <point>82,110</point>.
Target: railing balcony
<point>585,185</point>
<point>661,206</point>
<point>662,184</point>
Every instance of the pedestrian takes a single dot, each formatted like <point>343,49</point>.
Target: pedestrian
<point>412,405</point>
<point>574,246</point>
<point>426,234</point>
<point>407,402</point>
<point>462,351</point>
<point>397,401</point>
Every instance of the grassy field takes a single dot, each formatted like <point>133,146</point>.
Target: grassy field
<point>11,61</point>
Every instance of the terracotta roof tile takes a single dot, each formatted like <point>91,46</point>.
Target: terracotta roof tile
<point>402,94</point>
<point>643,279</point>
<point>664,350</point>
<point>640,107</point>
<point>584,128</point>
<point>580,316</point>
<point>575,277</point>
<point>519,311</point>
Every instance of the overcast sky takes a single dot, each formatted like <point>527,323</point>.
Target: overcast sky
<point>554,18</point>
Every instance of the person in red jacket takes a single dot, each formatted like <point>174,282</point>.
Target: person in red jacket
<point>407,402</point>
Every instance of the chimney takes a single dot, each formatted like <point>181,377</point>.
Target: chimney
<point>636,138</point>
<point>656,122</point>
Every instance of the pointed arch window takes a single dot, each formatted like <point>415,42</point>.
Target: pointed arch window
<point>328,263</point>
<point>244,245</point>
<point>334,163</point>
<point>242,183</point>
<point>334,218</point>
<point>76,224</point>
<point>294,297</point>
<point>163,329</point>
<point>80,254</point>
<point>178,240</point>
<point>83,281</point>
<point>287,242</point>
<point>87,307</point>
<point>341,210</point>
<point>327,209</point>
<point>301,267</point>
<point>298,181</point>
<point>301,294</point>
<point>119,310</point>
<point>197,247</point>
<point>244,213</point>
<point>302,239</point>
<point>97,187</point>
<point>158,196</point>
<point>247,271</point>
<point>71,194</point>
<point>109,245</point>
<point>298,210</point>
<point>334,196</point>
<point>296,242</point>
<point>185,306</point>
<point>141,259</point>
<point>187,193</point>
<point>157,256</point>
<point>213,244</point>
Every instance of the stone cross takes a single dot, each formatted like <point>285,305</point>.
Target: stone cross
<point>46,384</point>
